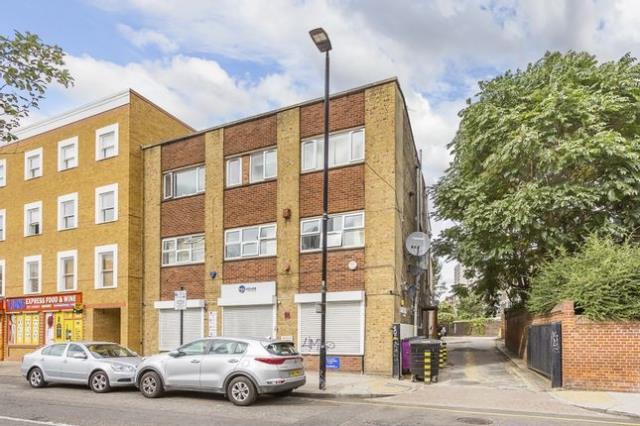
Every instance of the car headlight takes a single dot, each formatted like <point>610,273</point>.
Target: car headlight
<point>123,368</point>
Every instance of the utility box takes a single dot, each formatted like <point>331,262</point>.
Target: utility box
<point>418,347</point>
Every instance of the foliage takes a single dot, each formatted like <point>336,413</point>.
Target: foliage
<point>27,67</point>
<point>471,305</point>
<point>603,280</point>
<point>543,158</point>
<point>446,313</point>
<point>478,326</point>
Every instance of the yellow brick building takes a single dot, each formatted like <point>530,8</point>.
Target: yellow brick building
<point>71,224</point>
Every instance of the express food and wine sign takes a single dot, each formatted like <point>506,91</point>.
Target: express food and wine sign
<point>43,303</point>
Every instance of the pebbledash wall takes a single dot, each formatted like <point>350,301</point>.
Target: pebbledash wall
<point>595,355</point>
<point>83,308</point>
<point>271,288</point>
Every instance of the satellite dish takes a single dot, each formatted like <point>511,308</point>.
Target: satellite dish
<point>417,243</point>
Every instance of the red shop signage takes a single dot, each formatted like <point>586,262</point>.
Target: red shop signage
<point>43,302</point>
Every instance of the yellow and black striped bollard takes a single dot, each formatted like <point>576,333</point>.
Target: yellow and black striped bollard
<point>427,366</point>
<point>443,355</point>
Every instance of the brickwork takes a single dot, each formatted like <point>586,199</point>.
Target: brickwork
<point>347,363</point>
<point>339,276</point>
<point>182,216</point>
<point>250,205</point>
<point>248,136</point>
<point>184,153</point>
<point>191,277</point>
<point>250,270</point>
<point>346,191</point>
<point>344,112</point>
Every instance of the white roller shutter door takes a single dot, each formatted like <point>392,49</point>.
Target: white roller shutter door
<point>248,321</point>
<point>344,328</point>
<point>169,327</point>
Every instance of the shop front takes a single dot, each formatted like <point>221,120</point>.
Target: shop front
<point>33,321</point>
<point>248,310</point>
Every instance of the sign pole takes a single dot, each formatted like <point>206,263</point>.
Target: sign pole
<point>180,304</point>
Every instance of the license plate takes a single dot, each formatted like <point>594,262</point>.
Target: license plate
<point>295,373</point>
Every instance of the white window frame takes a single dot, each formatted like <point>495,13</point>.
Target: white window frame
<point>190,250</point>
<point>60,269</point>
<point>3,224</point>
<point>264,176</point>
<point>257,241</point>
<point>32,206</point>
<point>3,277</point>
<point>61,200</point>
<point>29,154</point>
<point>329,233</point>
<point>169,182</point>
<point>25,276</point>
<point>103,131</point>
<point>98,208</point>
<point>97,270</point>
<point>65,144</point>
<point>3,173</point>
<point>317,160</point>
<point>227,168</point>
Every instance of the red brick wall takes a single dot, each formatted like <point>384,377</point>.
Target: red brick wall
<point>344,112</point>
<point>347,363</point>
<point>515,336</point>
<point>250,205</point>
<point>191,277</point>
<point>346,191</point>
<point>339,276</point>
<point>255,134</point>
<point>183,153</point>
<point>250,270</point>
<point>182,216</point>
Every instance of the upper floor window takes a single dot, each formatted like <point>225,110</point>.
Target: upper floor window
<point>32,274</point>
<point>67,154</point>
<point>33,219</point>
<point>252,241</point>
<point>183,250</point>
<point>343,231</point>
<point>2,277</point>
<point>344,148</point>
<point>264,165</point>
<point>107,203</point>
<point>234,171</point>
<point>107,142</point>
<point>3,172</point>
<point>106,266</point>
<point>33,164</point>
<point>67,270</point>
<point>68,211</point>
<point>183,182</point>
<point>3,224</point>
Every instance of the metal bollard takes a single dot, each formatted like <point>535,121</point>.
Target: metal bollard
<point>442,357</point>
<point>427,366</point>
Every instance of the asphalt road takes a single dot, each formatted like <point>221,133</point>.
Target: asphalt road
<point>69,405</point>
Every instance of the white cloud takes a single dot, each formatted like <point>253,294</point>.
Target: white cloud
<point>145,37</point>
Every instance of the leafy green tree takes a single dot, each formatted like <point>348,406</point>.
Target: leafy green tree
<point>446,313</point>
<point>543,157</point>
<point>27,67</point>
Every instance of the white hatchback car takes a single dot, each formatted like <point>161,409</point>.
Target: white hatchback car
<point>239,368</point>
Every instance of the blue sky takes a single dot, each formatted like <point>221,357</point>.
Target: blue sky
<point>212,61</point>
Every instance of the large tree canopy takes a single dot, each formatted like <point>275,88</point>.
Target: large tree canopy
<point>543,157</point>
<point>27,67</point>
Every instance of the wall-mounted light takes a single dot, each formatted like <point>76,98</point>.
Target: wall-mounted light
<point>213,275</point>
<point>352,265</point>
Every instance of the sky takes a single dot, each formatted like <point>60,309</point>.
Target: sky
<point>212,61</point>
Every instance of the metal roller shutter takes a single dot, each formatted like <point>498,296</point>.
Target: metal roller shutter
<point>344,328</point>
<point>169,323</point>
<point>248,321</point>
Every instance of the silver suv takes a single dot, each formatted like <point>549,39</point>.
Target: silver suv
<point>239,368</point>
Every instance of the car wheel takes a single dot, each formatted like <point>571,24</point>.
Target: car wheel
<point>36,378</point>
<point>241,391</point>
<point>151,385</point>
<point>99,382</point>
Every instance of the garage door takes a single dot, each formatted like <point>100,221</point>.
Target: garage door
<point>248,321</point>
<point>169,323</point>
<point>344,328</point>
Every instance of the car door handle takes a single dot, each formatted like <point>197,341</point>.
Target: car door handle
<point>233,361</point>
<point>195,361</point>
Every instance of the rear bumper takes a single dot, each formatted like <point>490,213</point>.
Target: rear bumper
<point>291,384</point>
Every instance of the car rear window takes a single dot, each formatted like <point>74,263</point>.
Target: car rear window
<point>54,350</point>
<point>282,348</point>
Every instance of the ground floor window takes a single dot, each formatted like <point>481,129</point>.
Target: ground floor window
<point>24,329</point>
<point>344,328</point>
<point>169,327</point>
<point>63,327</point>
<point>248,321</point>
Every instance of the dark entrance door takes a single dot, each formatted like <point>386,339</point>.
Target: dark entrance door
<point>544,351</point>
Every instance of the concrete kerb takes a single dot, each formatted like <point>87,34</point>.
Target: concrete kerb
<point>332,395</point>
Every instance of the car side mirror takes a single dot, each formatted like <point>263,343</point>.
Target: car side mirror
<point>176,354</point>
<point>78,355</point>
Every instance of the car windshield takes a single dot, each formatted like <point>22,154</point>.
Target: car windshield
<point>282,348</point>
<point>109,350</point>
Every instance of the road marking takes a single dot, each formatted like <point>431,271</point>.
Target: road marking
<point>489,413</point>
<point>35,422</point>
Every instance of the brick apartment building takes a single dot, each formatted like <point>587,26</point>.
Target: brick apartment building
<point>232,216</point>
<point>71,224</point>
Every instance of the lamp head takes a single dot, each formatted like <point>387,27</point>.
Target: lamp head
<point>321,39</point>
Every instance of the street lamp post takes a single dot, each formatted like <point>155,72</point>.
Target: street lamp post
<point>322,42</point>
